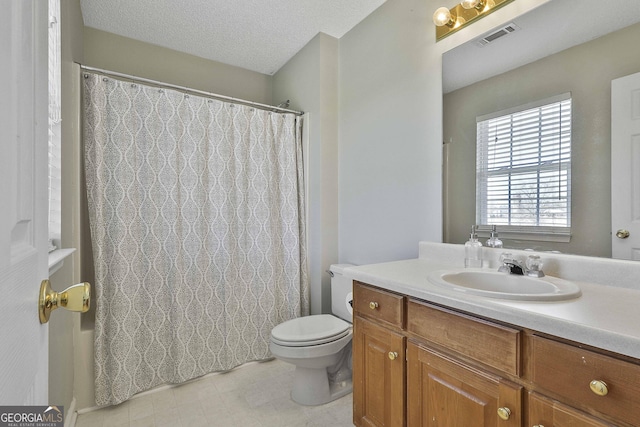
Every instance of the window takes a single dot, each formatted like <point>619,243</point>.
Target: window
<point>55,178</point>
<point>56,254</point>
<point>523,173</point>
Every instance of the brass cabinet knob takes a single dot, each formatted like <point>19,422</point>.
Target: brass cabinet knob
<point>393,355</point>
<point>504,413</point>
<point>74,298</point>
<point>599,387</point>
<point>622,234</point>
<point>373,305</point>
<point>538,425</point>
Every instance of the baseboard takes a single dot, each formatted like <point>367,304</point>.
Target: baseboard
<point>72,415</point>
<point>90,409</point>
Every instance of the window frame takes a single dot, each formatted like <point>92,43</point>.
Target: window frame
<point>56,254</point>
<point>55,128</point>
<point>522,232</point>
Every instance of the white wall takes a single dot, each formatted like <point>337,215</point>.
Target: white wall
<point>310,80</point>
<point>390,157</point>
<point>377,192</point>
<point>124,55</point>
<point>390,134</point>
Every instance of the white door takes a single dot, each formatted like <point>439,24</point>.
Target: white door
<point>23,199</point>
<point>625,167</point>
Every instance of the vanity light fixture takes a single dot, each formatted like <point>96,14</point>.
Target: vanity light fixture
<point>448,21</point>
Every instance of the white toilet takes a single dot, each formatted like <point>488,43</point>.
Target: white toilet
<point>319,346</point>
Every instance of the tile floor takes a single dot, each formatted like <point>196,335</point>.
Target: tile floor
<point>254,395</point>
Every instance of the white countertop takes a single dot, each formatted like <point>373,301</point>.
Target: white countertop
<point>604,316</point>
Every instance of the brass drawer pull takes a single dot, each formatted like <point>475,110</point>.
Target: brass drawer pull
<point>393,355</point>
<point>599,387</point>
<point>373,305</point>
<point>504,413</point>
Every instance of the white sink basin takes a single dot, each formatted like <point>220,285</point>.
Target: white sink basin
<point>488,283</point>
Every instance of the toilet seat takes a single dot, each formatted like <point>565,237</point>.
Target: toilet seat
<point>310,330</point>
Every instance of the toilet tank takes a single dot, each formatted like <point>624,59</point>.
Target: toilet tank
<point>341,293</point>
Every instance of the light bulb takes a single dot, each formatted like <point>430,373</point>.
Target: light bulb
<point>442,16</point>
<point>470,4</point>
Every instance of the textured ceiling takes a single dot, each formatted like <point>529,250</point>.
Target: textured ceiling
<point>258,35</point>
<point>548,29</point>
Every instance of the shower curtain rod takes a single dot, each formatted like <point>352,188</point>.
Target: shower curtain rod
<point>192,91</point>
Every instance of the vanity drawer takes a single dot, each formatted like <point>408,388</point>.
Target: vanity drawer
<point>378,304</point>
<point>546,412</point>
<point>568,371</point>
<point>489,343</point>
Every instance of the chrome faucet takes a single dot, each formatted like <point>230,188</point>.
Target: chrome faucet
<point>512,266</point>
<point>532,267</point>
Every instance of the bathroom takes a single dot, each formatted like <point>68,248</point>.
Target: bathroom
<point>375,178</point>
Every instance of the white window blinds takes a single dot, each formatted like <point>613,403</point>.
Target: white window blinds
<point>523,175</point>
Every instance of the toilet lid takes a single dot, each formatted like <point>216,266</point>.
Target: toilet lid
<point>310,330</point>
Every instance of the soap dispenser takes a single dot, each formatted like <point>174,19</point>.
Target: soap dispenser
<point>473,251</point>
<point>494,241</point>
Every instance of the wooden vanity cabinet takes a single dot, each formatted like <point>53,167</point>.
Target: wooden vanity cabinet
<point>379,367</point>
<point>420,364</point>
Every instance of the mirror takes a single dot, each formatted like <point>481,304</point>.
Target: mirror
<point>575,46</point>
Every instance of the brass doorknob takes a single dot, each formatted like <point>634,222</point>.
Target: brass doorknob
<point>393,355</point>
<point>373,305</point>
<point>599,387</point>
<point>622,234</point>
<point>504,413</point>
<point>74,298</point>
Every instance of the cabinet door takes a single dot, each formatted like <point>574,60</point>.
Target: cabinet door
<point>443,392</point>
<point>378,376</point>
<point>544,412</point>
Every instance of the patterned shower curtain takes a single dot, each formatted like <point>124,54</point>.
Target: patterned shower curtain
<point>196,210</point>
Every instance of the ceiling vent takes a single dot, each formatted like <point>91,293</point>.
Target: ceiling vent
<point>495,35</point>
